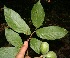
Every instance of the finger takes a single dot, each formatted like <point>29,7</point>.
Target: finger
<point>22,50</point>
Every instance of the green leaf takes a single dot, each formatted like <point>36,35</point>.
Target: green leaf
<point>35,45</point>
<point>14,20</point>
<point>13,38</point>
<point>37,14</point>
<point>51,32</point>
<point>8,52</point>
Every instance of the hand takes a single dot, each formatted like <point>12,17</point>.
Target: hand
<point>23,50</point>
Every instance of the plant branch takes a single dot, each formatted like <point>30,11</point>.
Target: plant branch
<point>31,35</point>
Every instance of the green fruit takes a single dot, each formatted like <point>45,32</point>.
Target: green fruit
<point>51,54</point>
<point>44,48</point>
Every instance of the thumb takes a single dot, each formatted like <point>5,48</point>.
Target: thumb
<point>22,50</point>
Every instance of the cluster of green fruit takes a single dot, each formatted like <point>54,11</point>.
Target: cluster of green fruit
<point>45,51</point>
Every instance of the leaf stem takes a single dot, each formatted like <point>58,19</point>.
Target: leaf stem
<point>39,57</point>
<point>31,35</point>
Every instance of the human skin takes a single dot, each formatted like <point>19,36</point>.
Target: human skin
<point>22,51</point>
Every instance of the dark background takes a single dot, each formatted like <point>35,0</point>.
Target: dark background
<point>57,12</point>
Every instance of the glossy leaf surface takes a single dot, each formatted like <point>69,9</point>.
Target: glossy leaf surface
<point>14,21</point>
<point>8,52</point>
<point>37,14</point>
<point>35,45</point>
<point>51,32</point>
<point>13,38</point>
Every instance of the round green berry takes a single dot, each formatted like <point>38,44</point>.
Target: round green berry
<point>44,48</point>
<point>51,54</point>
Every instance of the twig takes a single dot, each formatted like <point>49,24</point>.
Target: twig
<point>31,35</point>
